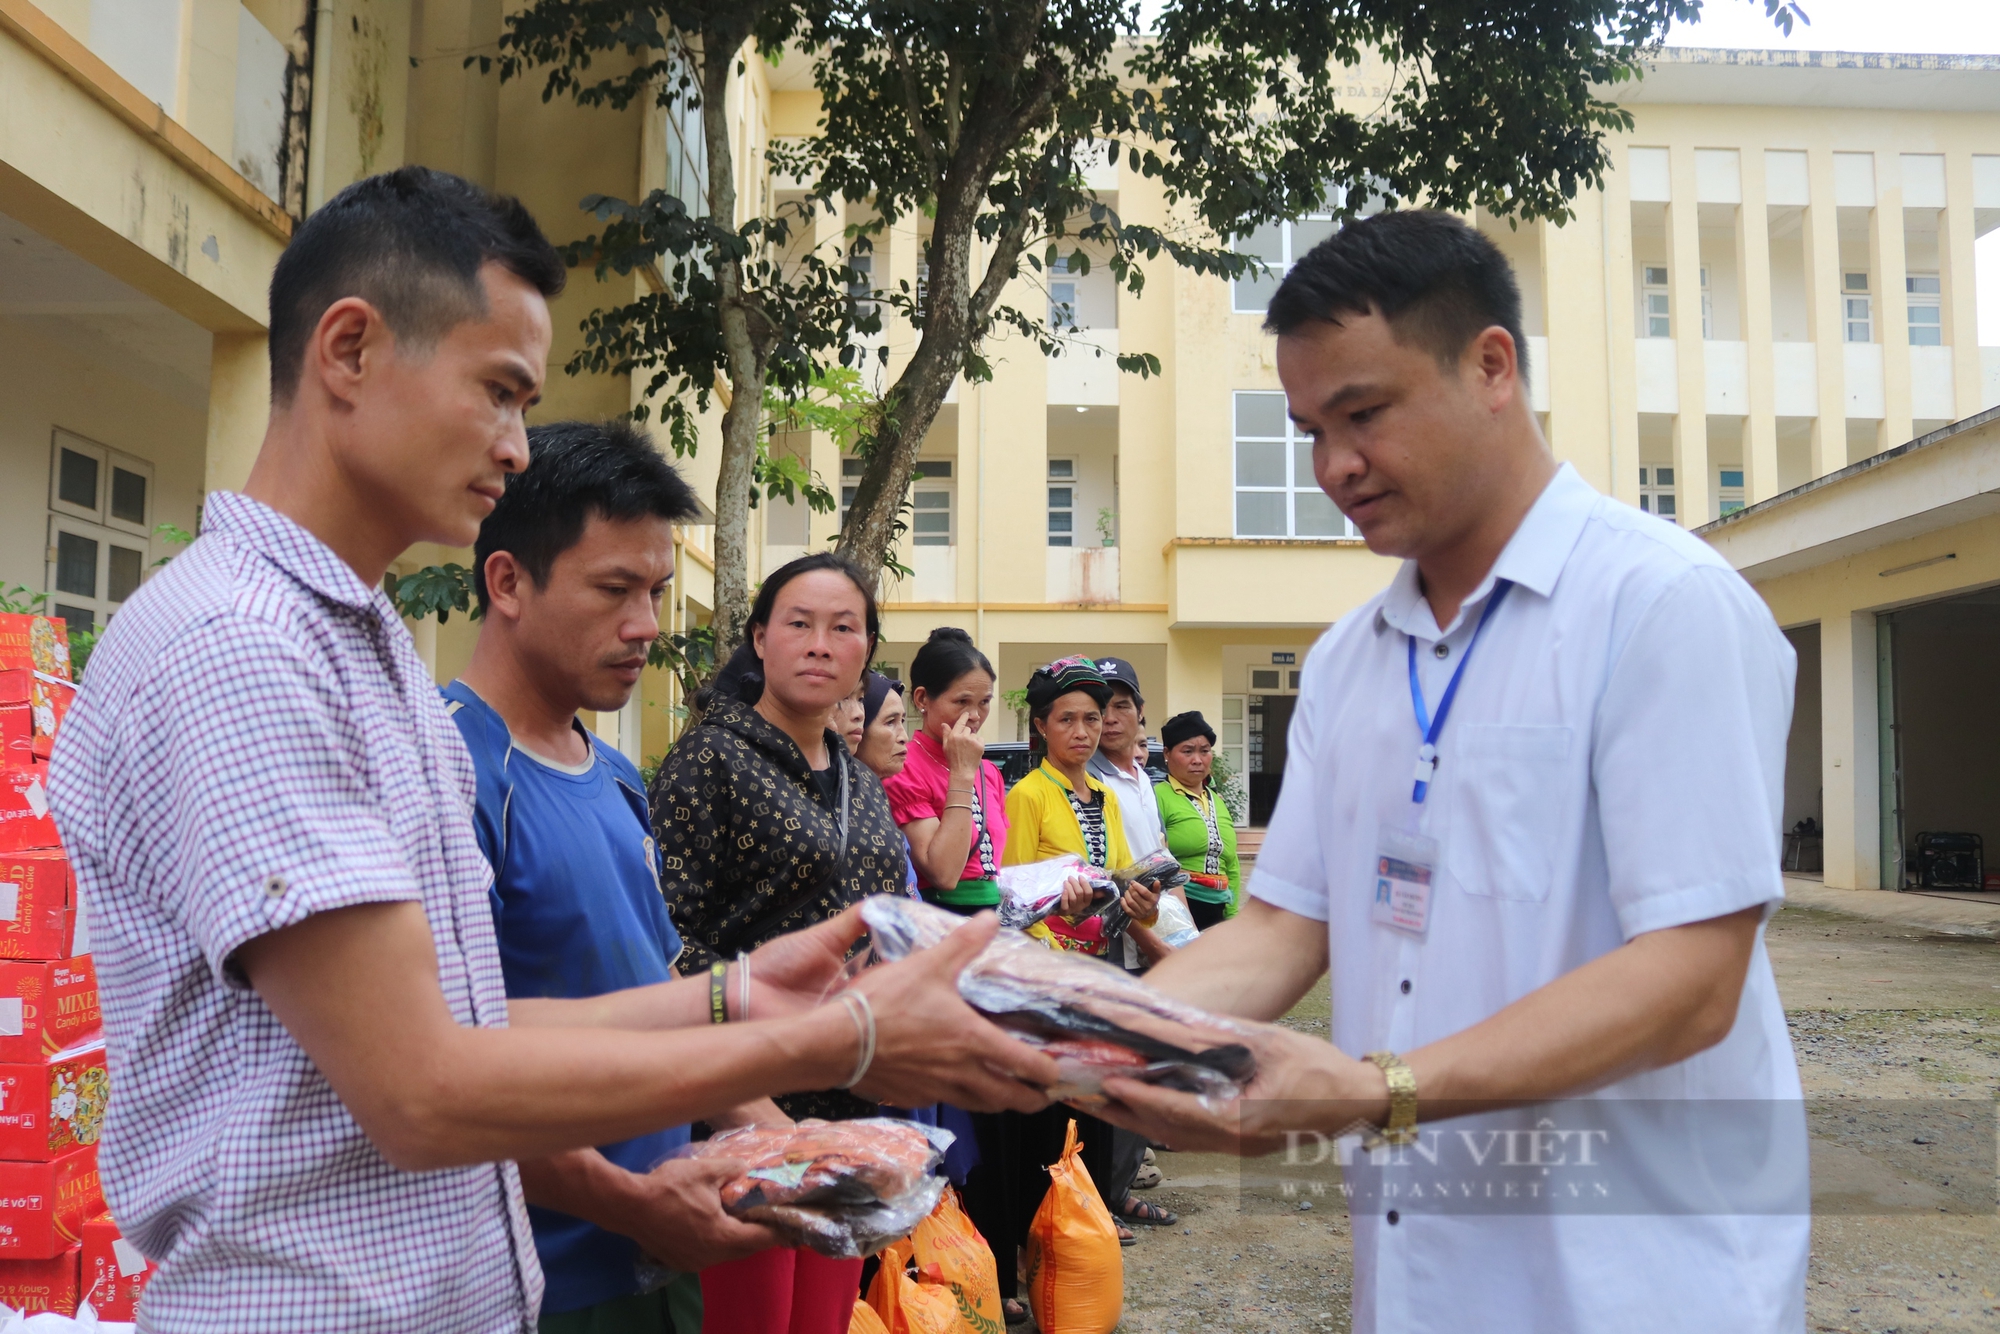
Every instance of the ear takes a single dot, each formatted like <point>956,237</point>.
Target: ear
<point>349,340</point>
<point>1492,365</point>
<point>757,641</point>
<point>505,579</point>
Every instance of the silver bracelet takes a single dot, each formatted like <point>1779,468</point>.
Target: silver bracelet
<point>743,986</point>
<point>863,1015</point>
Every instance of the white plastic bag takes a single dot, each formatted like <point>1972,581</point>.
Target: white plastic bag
<point>48,1322</point>
<point>1176,926</point>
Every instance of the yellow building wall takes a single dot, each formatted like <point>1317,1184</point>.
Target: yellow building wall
<point>1843,598</point>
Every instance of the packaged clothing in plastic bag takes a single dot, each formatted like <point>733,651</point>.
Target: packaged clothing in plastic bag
<point>1076,1273</point>
<point>1159,870</point>
<point>948,1243</point>
<point>1031,891</point>
<point>1095,1019</point>
<point>843,1188</point>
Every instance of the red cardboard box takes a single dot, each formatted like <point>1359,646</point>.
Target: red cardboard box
<point>52,1105</point>
<point>37,910</point>
<point>46,1007</point>
<point>114,1272</point>
<point>25,821</point>
<point>43,1206</point>
<point>30,1286</point>
<point>17,726</point>
<point>37,648</point>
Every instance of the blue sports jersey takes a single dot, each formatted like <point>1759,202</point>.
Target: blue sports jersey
<point>577,907</point>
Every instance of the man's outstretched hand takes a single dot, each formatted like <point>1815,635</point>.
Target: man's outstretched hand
<point>932,1047</point>
<point>1302,1084</point>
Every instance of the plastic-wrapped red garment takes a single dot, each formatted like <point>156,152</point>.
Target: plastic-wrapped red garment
<point>1093,1018</point>
<point>843,1188</point>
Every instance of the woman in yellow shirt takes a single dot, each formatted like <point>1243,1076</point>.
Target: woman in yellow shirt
<point>1060,808</point>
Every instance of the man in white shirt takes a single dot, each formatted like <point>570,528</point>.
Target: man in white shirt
<point>1120,760</point>
<point>1537,871</point>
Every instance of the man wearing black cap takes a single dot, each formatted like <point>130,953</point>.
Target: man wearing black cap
<point>1120,764</point>
<point>1120,761</point>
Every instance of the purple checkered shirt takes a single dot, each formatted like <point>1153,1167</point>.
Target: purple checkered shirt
<point>258,742</point>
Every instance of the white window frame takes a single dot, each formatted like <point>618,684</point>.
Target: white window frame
<point>937,481</point>
<point>1232,737</point>
<point>1857,309</point>
<point>1658,319</point>
<point>1730,495</point>
<point>1290,251</point>
<point>851,468</point>
<point>1707,306</point>
<point>97,523</point>
<point>1295,484</point>
<point>1063,296</point>
<point>1925,293</point>
<point>106,458</point>
<point>1656,484</point>
<point>98,602</point>
<point>1062,472</point>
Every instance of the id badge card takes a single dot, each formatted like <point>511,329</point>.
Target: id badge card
<point>1405,866</point>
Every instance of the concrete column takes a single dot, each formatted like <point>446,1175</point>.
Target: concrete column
<point>1849,752</point>
<point>1892,307</point>
<point>1585,428</point>
<point>239,408</point>
<point>1955,272</point>
<point>1821,227</point>
<point>1613,252</point>
<point>1693,485</point>
<point>1753,251</point>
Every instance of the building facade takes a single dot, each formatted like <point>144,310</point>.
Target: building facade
<point>1774,286</point>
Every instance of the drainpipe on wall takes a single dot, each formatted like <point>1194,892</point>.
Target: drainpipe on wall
<point>300,124</point>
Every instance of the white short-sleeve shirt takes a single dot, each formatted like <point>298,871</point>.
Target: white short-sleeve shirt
<point>1613,764</point>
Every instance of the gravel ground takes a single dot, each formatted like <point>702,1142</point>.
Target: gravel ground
<point>1905,1238</point>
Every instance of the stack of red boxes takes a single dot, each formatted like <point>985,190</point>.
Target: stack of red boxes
<point>53,1082</point>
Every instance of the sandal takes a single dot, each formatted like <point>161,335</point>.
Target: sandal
<point>1014,1311</point>
<point>1142,1211</point>
<point>1147,1178</point>
<point>1126,1236</point>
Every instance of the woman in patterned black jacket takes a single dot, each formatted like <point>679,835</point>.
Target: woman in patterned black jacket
<point>767,824</point>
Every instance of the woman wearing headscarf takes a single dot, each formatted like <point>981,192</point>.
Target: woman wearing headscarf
<point>883,743</point>
<point>1200,833</point>
<point>1061,808</point>
<point>766,824</point>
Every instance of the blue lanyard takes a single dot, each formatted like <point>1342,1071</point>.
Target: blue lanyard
<point>1428,727</point>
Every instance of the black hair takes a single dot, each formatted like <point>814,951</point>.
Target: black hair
<point>575,470</point>
<point>1437,281</point>
<point>947,655</point>
<point>410,243</point>
<point>766,604</point>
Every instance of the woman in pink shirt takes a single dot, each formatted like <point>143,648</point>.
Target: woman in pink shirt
<point>949,801</point>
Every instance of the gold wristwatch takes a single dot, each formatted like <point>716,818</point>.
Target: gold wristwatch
<point>1401,1127</point>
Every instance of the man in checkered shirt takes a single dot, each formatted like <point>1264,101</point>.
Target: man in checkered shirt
<point>318,1090</point>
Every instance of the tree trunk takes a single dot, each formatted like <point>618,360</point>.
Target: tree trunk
<point>1000,115</point>
<point>742,419</point>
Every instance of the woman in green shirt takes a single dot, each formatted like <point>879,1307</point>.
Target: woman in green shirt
<point>1196,821</point>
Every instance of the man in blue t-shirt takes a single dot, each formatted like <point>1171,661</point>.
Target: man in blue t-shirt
<point>569,569</point>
